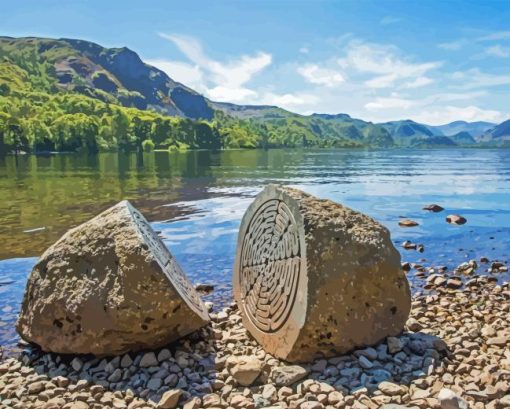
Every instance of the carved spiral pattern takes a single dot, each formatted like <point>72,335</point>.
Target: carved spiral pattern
<point>172,270</point>
<point>270,266</point>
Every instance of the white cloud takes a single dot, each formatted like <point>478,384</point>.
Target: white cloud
<point>226,94</point>
<point>187,74</point>
<point>289,100</point>
<point>474,78</point>
<point>452,45</point>
<point>498,51</point>
<point>418,82</point>
<point>304,50</point>
<point>320,76</point>
<point>382,60</point>
<point>222,81</point>
<point>448,114</point>
<point>497,35</point>
<point>381,103</point>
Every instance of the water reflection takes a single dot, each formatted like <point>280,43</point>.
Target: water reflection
<point>196,200</point>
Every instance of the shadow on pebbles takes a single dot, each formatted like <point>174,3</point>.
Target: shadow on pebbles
<point>454,354</point>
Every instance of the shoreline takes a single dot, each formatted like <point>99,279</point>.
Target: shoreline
<point>457,339</point>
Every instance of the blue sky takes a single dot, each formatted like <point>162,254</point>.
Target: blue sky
<point>431,61</point>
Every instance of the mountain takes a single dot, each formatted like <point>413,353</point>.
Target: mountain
<point>432,142</point>
<point>403,132</point>
<point>499,135</point>
<point>67,94</point>
<point>83,87</point>
<point>475,129</point>
<point>463,138</point>
<point>113,75</point>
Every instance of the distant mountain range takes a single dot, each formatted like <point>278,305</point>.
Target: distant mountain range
<point>118,76</point>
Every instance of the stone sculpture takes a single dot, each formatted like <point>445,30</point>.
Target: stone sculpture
<point>314,278</point>
<point>107,287</point>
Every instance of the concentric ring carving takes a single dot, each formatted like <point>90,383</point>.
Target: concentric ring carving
<point>270,266</point>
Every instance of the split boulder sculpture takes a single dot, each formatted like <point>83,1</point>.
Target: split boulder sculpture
<point>107,287</point>
<point>314,278</point>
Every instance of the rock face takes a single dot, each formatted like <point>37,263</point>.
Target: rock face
<point>107,287</point>
<point>313,277</point>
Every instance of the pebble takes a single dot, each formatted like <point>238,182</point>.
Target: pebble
<point>407,223</point>
<point>458,339</point>
<point>170,399</point>
<point>148,359</point>
<point>455,219</point>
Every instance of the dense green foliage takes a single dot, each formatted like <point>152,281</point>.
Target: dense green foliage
<point>37,114</point>
<point>36,121</point>
<point>73,95</point>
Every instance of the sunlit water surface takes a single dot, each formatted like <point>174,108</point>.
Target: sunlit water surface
<point>196,201</point>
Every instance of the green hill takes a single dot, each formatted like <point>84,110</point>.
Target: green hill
<point>67,95</point>
<point>497,136</point>
<point>404,132</point>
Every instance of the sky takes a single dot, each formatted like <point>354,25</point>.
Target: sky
<point>430,61</point>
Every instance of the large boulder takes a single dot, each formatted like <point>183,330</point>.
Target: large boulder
<point>314,278</point>
<point>107,287</point>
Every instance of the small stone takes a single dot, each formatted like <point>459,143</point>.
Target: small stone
<point>35,388</point>
<point>454,283</point>
<point>148,359</point>
<point>116,376</point>
<point>311,405</point>
<point>164,354</point>
<point>154,384</point>
<point>370,353</point>
<point>335,397</point>
<point>455,219</point>
<point>319,365</point>
<point>193,403</point>
<point>204,288</point>
<point>448,399</point>
<point>287,375</point>
<point>499,341</point>
<point>77,364</point>
<point>365,362</point>
<point>433,208</point>
<point>170,399</point>
<point>211,400</point>
<point>246,370</point>
<point>126,361</point>
<point>407,223</point>
<point>413,325</point>
<point>391,389</point>
<point>394,345</point>
<point>408,245</point>
<point>269,392</point>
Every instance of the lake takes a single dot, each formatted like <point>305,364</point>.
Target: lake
<point>195,200</point>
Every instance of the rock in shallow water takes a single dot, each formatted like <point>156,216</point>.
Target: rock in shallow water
<point>455,219</point>
<point>313,277</point>
<point>107,287</point>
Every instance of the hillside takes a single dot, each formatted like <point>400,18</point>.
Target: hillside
<point>499,135</point>
<point>475,129</point>
<point>67,95</point>
<point>84,96</point>
<point>404,132</point>
<point>113,75</point>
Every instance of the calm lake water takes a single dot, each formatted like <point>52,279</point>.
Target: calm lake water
<point>196,201</point>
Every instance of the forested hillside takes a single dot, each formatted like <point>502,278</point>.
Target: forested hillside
<point>68,95</point>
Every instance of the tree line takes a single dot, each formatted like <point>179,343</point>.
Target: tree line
<point>36,121</point>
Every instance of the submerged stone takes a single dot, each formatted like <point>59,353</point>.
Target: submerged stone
<point>314,278</point>
<point>107,287</point>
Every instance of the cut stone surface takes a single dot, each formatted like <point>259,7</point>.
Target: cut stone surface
<point>314,278</point>
<point>107,287</point>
